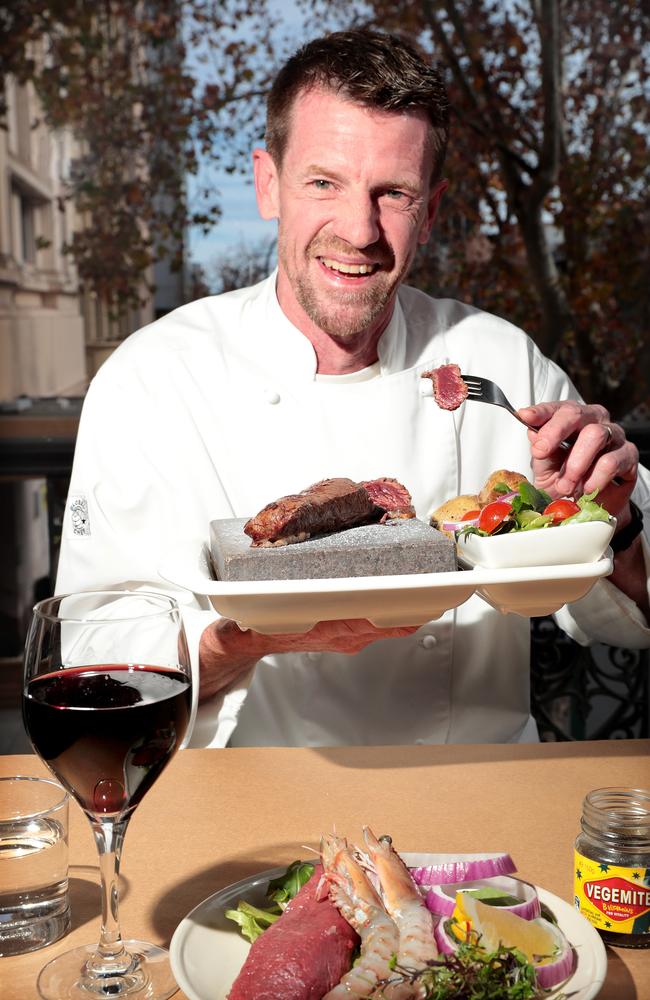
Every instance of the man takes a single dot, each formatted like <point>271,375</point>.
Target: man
<point>235,400</point>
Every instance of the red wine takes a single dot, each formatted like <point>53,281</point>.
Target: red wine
<point>107,731</point>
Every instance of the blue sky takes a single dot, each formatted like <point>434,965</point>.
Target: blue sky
<point>239,224</point>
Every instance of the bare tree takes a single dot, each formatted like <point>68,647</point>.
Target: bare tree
<point>549,173</point>
<point>244,264</point>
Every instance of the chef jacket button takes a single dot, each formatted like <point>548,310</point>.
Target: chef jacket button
<point>272,396</point>
<point>428,641</point>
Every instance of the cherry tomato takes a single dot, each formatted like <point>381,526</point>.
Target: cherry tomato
<point>471,515</point>
<point>561,509</point>
<point>493,515</point>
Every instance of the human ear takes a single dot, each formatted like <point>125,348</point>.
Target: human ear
<point>433,203</point>
<point>266,184</point>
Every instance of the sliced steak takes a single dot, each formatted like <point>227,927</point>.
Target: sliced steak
<point>394,499</point>
<point>330,505</point>
<point>301,956</point>
<point>449,389</point>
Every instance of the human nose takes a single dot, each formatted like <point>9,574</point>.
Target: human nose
<point>357,220</point>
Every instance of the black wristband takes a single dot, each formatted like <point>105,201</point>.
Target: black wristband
<point>624,538</point>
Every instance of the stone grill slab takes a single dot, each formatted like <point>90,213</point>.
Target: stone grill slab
<point>396,548</point>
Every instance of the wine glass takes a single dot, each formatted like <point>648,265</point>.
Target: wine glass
<point>106,703</point>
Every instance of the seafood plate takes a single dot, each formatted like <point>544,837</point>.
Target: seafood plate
<point>208,953</point>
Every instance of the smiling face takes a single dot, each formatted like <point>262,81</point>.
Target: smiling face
<point>353,199</point>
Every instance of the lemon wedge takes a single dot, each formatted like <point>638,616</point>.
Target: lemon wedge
<point>536,939</point>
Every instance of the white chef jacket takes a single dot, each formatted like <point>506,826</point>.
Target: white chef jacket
<point>215,410</point>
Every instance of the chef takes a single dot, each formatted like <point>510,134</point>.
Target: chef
<point>235,400</point>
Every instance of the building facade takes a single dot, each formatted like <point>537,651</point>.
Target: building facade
<point>42,349</point>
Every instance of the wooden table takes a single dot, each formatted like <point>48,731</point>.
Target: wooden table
<point>216,816</point>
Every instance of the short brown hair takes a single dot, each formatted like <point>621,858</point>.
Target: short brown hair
<point>366,66</point>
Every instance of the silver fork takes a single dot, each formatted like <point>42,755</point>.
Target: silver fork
<point>484,391</point>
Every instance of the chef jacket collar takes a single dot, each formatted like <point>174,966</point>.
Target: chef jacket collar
<point>293,352</point>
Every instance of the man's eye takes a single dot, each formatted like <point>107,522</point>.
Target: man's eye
<point>321,185</point>
<point>395,195</point>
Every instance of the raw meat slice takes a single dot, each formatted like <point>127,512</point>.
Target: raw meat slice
<point>301,956</point>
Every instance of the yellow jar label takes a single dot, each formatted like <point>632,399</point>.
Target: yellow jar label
<point>612,898</point>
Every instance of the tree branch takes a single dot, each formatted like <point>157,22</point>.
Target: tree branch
<point>547,16</point>
<point>487,131</point>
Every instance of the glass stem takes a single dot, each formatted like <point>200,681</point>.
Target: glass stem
<point>111,958</point>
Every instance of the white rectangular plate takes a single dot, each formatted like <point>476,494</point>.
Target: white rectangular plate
<point>283,606</point>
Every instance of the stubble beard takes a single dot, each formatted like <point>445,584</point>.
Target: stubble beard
<point>347,314</point>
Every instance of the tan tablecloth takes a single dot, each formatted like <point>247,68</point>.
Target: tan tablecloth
<point>216,816</point>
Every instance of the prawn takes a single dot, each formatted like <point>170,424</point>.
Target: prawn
<point>403,902</point>
<point>357,900</point>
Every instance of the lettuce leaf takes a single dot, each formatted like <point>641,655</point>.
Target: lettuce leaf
<point>529,520</point>
<point>285,887</point>
<point>254,920</point>
<point>530,498</point>
<point>589,510</point>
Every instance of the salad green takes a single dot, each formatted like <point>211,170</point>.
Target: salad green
<point>254,920</point>
<point>527,511</point>
<point>474,974</point>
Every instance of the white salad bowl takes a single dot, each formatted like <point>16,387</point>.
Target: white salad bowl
<point>561,545</point>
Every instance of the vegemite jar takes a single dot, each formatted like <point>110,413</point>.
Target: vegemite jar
<point>612,865</point>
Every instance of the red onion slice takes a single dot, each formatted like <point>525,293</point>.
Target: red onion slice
<point>456,525</point>
<point>561,966</point>
<point>436,869</point>
<point>549,974</point>
<point>441,899</point>
<point>447,945</point>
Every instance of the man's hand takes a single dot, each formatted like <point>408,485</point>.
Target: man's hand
<point>600,458</point>
<point>227,652</point>
<point>599,454</point>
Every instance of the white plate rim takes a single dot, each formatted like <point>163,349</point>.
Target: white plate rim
<point>271,606</point>
<point>563,911</point>
<point>173,567</point>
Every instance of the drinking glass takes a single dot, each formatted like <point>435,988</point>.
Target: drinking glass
<point>106,703</point>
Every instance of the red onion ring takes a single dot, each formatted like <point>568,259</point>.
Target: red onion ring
<point>555,972</point>
<point>548,975</point>
<point>436,869</point>
<point>441,899</point>
<point>446,944</point>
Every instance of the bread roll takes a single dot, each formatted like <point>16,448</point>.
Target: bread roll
<point>453,510</point>
<point>511,479</point>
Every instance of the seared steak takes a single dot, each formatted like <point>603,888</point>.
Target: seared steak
<point>331,505</point>
<point>301,956</point>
